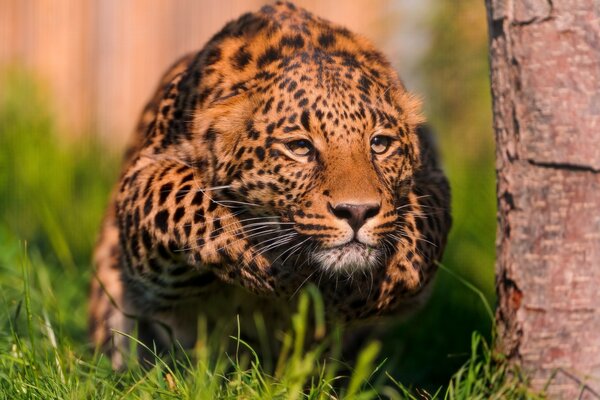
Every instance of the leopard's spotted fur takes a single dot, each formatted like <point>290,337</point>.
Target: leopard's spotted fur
<point>256,169</point>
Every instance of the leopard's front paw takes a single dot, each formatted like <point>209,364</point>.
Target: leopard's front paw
<point>240,262</point>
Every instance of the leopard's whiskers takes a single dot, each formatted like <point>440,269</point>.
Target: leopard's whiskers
<point>269,231</point>
<point>281,254</point>
<point>277,240</point>
<point>272,246</point>
<point>302,284</point>
<point>212,189</point>
<point>222,202</point>
<point>241,221</point>
<point>256,234</point>
<point>293,249</point>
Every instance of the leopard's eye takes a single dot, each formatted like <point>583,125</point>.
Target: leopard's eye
<point>300,147</point>
<point>380,144</point>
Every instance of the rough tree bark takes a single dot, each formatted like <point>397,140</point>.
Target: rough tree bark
<point>545,74</point>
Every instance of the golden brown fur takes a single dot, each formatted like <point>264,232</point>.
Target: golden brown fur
<point>286,151</point>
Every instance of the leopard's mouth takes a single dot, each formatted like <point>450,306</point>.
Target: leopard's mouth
<point>349,257</point>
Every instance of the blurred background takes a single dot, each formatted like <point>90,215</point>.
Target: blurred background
<point>74,75</point>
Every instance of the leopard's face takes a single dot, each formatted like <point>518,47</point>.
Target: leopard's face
<point>329,149</point>
<point>285,152</point>
<point>310,130</point>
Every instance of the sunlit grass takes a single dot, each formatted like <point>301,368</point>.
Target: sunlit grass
<point>52,196</point>
<point>37,360</point>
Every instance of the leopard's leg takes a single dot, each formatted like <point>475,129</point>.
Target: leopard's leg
<point>426,222</point>
<point>114,316</point>
<point>403,283</point>
<point>109,309</point>
<point>177,238</point>
<point>107,303</point>
<point>171,243</point>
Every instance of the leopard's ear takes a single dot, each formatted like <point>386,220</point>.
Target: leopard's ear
<point>220,125</point>
<point>225,118</point>
<point>414,118</point>
<point>412,106</point>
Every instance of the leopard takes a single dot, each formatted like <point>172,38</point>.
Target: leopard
<point>286,152</point>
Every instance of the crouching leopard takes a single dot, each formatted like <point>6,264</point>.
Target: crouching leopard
<point>286,152</point>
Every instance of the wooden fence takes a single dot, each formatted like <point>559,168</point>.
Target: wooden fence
<point>100,59</point>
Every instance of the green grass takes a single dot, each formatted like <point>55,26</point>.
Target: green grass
<point>40,359</point>
<point>52,196</point>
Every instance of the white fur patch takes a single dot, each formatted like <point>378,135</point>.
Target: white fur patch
<point>349,258</point>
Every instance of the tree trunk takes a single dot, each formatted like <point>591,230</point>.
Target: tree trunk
<point>545,74</point>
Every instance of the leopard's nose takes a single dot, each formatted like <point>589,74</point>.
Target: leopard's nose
<point>355,214</point>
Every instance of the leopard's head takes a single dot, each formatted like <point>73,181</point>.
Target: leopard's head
<point>317,132</point>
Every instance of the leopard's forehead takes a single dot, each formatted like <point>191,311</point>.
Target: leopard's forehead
<point>286,51</point>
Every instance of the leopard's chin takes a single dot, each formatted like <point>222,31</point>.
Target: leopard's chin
<point>348,258</point>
